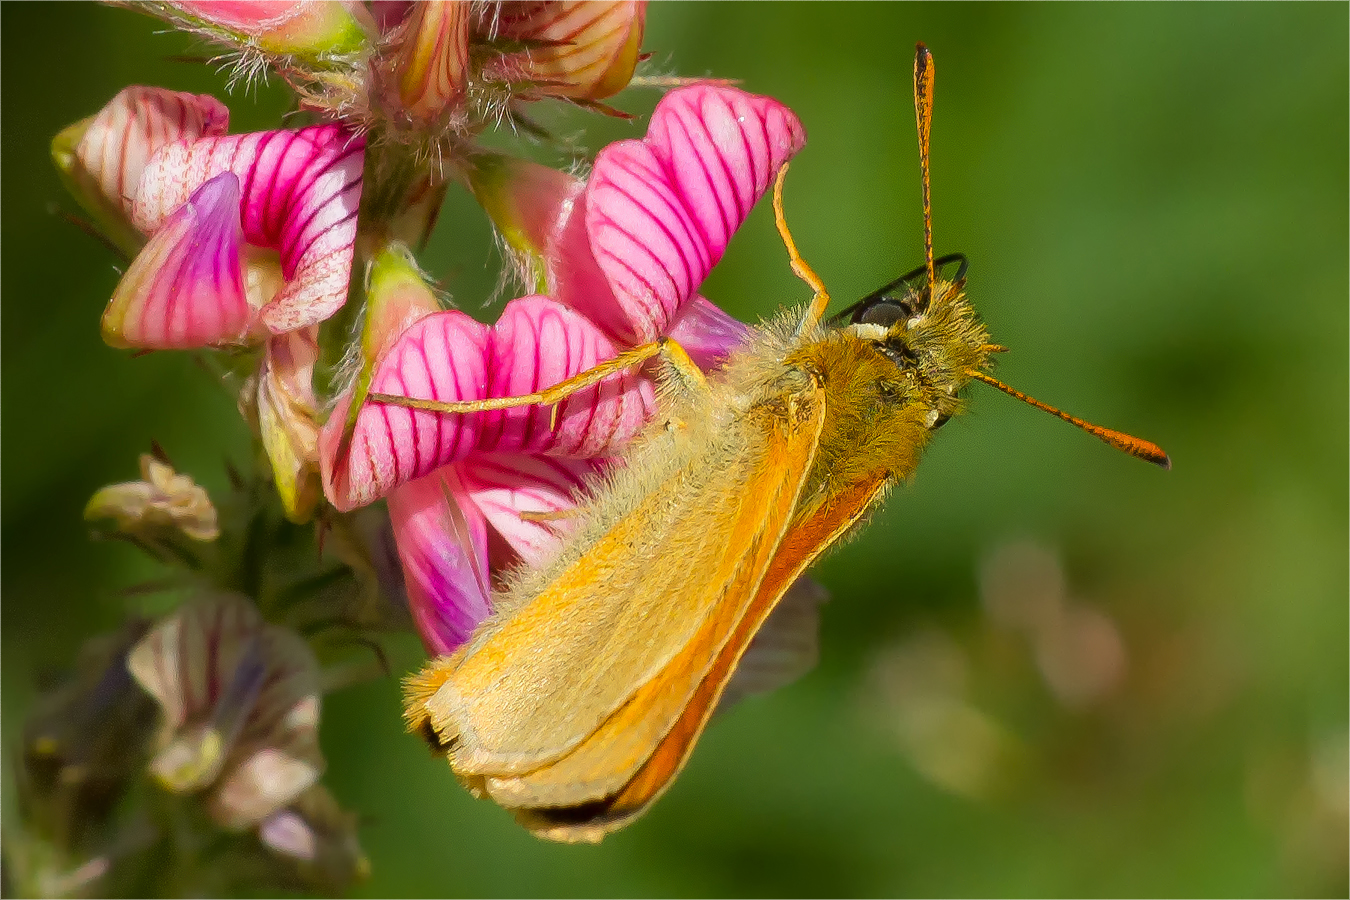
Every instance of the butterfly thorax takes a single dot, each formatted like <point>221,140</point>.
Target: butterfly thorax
<point>890,379</point>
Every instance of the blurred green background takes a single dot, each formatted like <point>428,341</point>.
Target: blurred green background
<point>1046,668</point>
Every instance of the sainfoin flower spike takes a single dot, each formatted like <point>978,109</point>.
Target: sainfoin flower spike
<point>622,258</point>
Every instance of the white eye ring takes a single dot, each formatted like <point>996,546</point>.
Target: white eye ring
<point>868,331</point>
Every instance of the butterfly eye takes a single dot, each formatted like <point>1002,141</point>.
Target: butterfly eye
<point>909,291</point>
<point>887,311</point>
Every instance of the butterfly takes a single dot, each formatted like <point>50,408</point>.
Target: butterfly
<point>581,698</point>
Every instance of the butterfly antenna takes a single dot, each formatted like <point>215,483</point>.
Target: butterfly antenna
<point>1145,450</point>
<point>923,114</point>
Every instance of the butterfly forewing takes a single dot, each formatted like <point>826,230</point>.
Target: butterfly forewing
<point>609,757</point>
<point>536,683</point>
<point>812,530</point>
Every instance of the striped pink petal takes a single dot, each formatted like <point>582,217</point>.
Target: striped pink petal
<point>447,356</point>
<point>186,287</point>
<point>442,543</point>
<point>585,49</point>
<point>300,191</point>
<point>442,356</point>
<point>661,211</point>
<point>504,486</point>
<point>113,146</point>
<point>537,343</point>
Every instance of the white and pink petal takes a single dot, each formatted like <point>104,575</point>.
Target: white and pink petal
<point>101,158</point>
<point>240,700</point>
<point>544,488</point>
<point>185,658</point>
<point>299,195</point>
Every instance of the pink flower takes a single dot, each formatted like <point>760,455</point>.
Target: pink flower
<point>242,234</point>
<point>249,234</point>
<point>621,256</point>
<point>237,239</point>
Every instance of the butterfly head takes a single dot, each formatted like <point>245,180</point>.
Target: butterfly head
<point>931,334</point>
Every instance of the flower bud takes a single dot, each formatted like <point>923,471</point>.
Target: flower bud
<point>428,70</point>
<point>309,29</point>
<point>579,49</point>
<point>530,204</point>
<point>286,410</point>
<point>162,500</point>
<point>396,297</point>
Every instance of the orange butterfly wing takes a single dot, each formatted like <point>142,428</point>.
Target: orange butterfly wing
<point>612,754</point>
<point>815,529</point>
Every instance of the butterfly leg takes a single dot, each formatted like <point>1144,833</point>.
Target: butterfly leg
<point>816,311</point>
<point>545,516</point>
<point>670,352</point>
